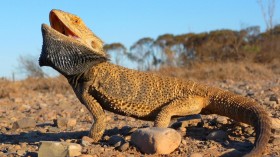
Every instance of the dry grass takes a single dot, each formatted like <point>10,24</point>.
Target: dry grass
<point>56,85</point>
<point>5,88</point>
<point>238,71</point>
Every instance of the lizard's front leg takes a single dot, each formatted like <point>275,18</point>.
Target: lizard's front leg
<point>179,107</point>
<point>98,114</point>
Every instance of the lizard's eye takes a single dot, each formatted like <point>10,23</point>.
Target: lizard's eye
<point>76,20</point>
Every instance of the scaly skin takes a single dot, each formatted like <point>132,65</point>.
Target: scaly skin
<point>74,26</point>
<point>105,86</point>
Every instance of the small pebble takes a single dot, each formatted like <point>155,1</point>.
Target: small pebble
<point>123,147</point>
<point>196,155</point>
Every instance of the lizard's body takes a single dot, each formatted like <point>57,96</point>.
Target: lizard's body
<point>100,86</point>
<point>137,94</point>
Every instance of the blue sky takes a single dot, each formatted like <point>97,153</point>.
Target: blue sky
<point>123,21</point>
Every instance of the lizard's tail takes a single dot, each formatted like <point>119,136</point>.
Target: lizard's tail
<point>245,110</point>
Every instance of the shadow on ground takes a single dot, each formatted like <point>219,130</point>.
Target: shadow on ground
<point>36,136</point>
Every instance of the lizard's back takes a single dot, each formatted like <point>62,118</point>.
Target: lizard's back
<point>135,93</point>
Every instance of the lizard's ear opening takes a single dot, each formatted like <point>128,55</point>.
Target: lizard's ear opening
<point>66,57</point>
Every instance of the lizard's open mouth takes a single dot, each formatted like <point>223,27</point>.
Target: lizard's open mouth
<point>59,26</point>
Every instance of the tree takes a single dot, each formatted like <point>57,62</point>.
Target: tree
<point>179,53</point>
<point>117,52</point>
<point>268,13</point>
<point>251,33</point>
<point>29,65</point>
<point>164,43</point>
<point>173,50</point>
<point>142,53</point>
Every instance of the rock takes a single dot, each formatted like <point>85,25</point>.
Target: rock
<point>108,118</point>
<point>244,125</point>
<point>42,105</point>
<point>132,131</point>
<point>268,101</point>
<point>196,155</point>
<point>183,129</point>
<point>276,140</point>
<point>67,113</point>
<point>51,115</point>
<point>123,147</point>
<point>71,122</point>
<point>48,148</point>
<point>23,145</point>
<point>17,147</point>
<point>25,107</point>
<point>18,100</point>
<point>251,139</point>
<point>24,123</point>
<point>116,141</point>
<point>74,149</point>
<point>65,122</point>
<point>82,110</point>
<point>156,140</point>
<point>249,130</point>
<point>68,141</point>
<point>221,120</point>
<point>106,137</point>
<point>240,92</point>
<point>218,135</point>
<point>274,98</point>
<point>53,129</point>
<point>184,142</point>
<point>61,149</point>
<point>2,130</point>
<point>60,122</point>
<point>240,125</point>
<point>21,152</point>
<point>86,141</point>
<point>127,138</point>
<point>275,106</point>
<point>238,129</point>
<point>275,125</point>
<point>250,93</point>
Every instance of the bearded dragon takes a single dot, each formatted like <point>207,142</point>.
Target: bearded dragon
<point>74,51</point>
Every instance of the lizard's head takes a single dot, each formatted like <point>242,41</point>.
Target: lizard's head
<point>68,45</point>
<point>73,26</point>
